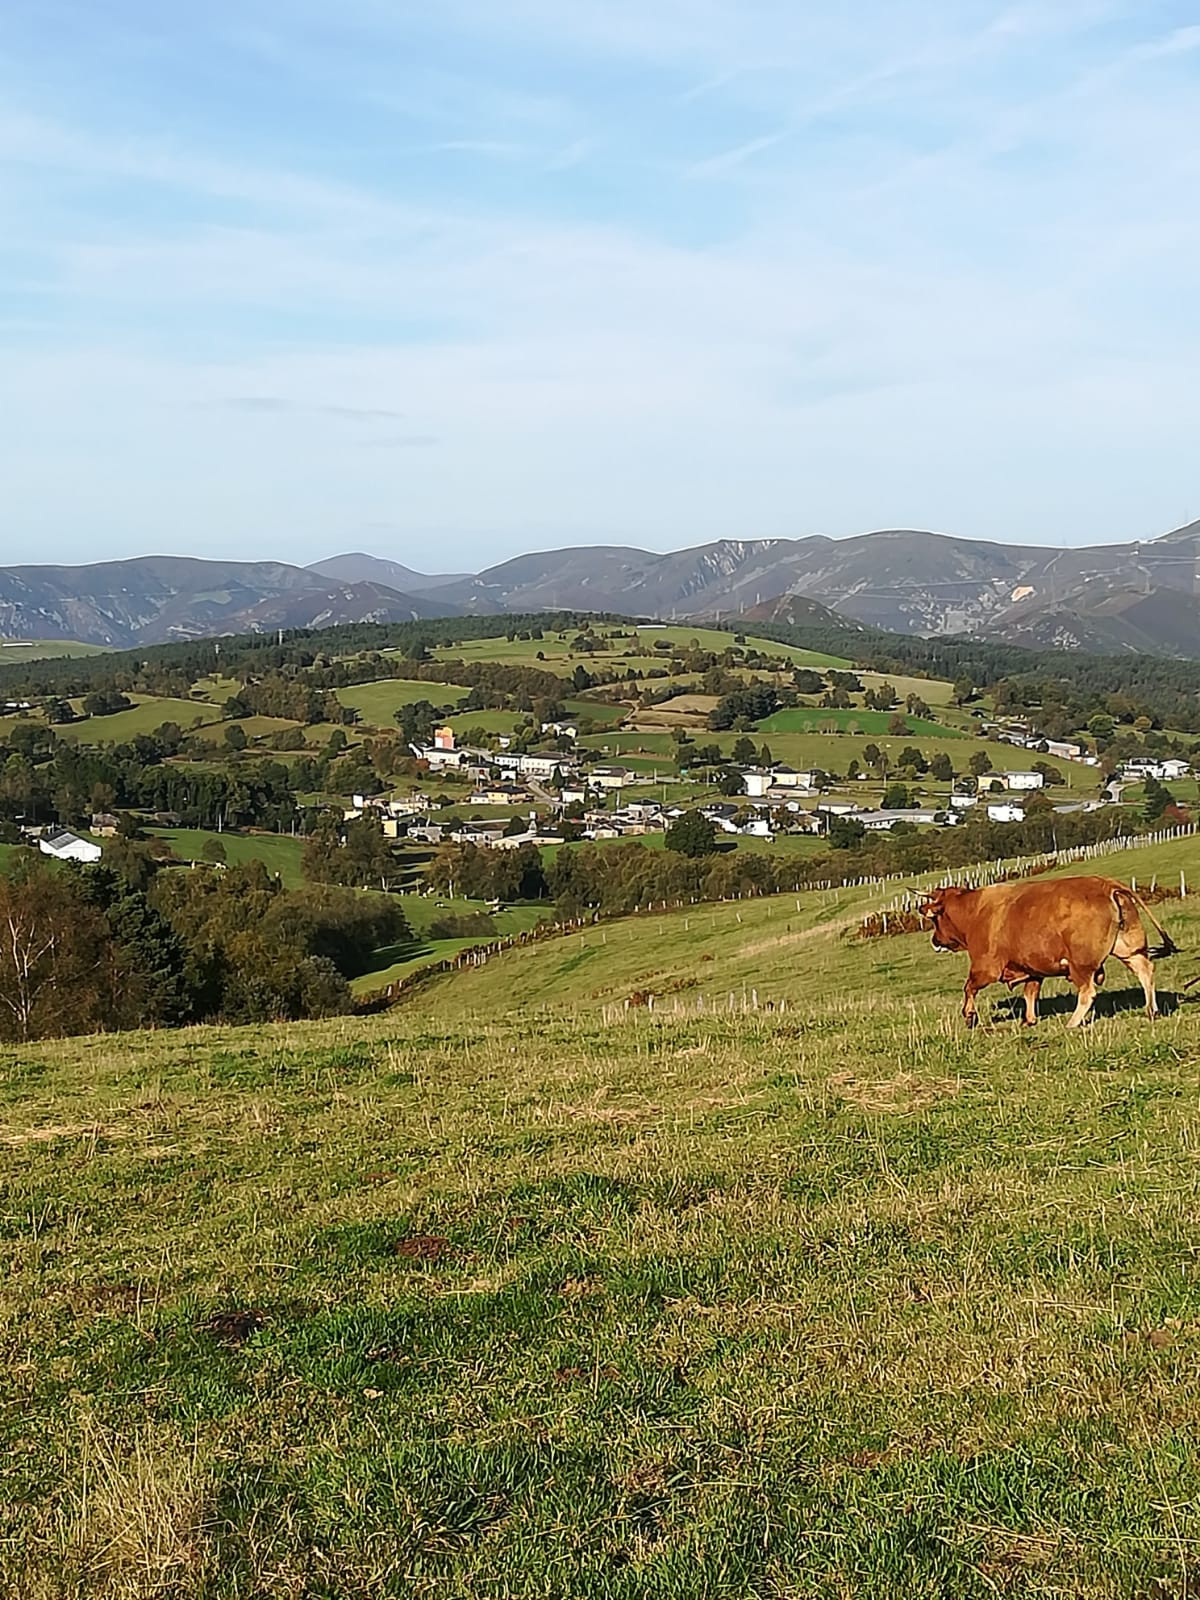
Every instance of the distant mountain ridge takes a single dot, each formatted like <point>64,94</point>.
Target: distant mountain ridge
<point>1137,596</point>
<point>154,599</point>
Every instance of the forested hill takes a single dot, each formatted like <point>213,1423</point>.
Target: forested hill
<point>1168,690</point>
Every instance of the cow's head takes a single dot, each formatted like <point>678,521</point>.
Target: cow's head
<point>938,907</point>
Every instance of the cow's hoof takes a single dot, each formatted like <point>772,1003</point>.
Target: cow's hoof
<point>1029,1022</point>
<point>973,1020</point>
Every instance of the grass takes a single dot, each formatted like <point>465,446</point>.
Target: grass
<point>423,951</point>
<point>487,1297</point>
<point>813,719</point>
<point>18,650</point>
<point>377,703</point>
<point>279,853</point>
<point>558,655</point>
<point>147,713</point>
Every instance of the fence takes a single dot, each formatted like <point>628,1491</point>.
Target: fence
<point>974,877</point>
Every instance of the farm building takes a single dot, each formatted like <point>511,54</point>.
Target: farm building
<point>1022,781</point>
<point>1006,811</point>
<point>62,845</point>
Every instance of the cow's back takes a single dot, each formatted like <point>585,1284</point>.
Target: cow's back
<point>1045,925</point>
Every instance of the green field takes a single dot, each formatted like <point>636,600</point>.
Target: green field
<point>377,703</point>
<point>626,652</point>
<point>815,719</point>
<point>147,713</point>
<point>14,652</point>
<point>279,853</point>
<point>422,951</point>
<point>491,1296</point>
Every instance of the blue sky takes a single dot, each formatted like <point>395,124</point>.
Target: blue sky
<point>453,279</point>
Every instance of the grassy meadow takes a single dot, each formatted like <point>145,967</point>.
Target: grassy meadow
<point>279,853</point>
<point>489,1296</point>
<point>15,651</point>
<point>377,703</point>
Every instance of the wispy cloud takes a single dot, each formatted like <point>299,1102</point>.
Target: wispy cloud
<point>642,272</point>
<point>736,156</point>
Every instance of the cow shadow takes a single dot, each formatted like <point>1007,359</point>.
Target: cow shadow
<point>1109,1003</point>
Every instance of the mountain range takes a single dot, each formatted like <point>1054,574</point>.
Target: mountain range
<point>1139,595</point>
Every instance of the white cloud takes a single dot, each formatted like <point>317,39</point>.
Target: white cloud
<point>954,293</point>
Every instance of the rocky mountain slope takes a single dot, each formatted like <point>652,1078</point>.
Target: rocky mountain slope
<point>156,598</point>
<point>356,567</point>
<point>1137,596</point>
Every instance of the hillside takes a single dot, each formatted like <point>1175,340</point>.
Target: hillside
<point>153,599</point>
<point>829,1301</point>
<point>1108,598</point>
<point>359,568</point>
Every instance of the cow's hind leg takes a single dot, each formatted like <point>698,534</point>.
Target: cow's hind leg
<point>1143,970</point>
<point>1033,989</point>
<point>1085,982</point>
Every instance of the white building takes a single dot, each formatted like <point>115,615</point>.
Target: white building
<point>1023,781</point>
<point>757,782</point>
<point>62,845</point>
<point>609,777</point>
<point>1006,811</point>
<point>788,778</point>
<point>884,821</point>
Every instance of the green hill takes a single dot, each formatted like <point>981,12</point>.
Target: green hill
<point>509,1292</point>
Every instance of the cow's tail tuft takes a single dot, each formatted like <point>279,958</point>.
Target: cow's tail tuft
<point>1156,952</point>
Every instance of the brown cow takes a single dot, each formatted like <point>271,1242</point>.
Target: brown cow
<point>1022,933</point>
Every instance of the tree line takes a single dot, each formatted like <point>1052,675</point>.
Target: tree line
<point>91,949</point>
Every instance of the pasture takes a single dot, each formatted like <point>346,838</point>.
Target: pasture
<point>279,853</point>
<point>15,651</point>
<point>493,1298</point>
<point>147,713</point>
<point>635,651</point>
<point>377,703</point>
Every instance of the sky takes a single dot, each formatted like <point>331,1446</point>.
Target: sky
<point>445,280</point>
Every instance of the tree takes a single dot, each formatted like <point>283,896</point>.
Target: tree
<point>896,798</point>
<point>942,768</point>
<point>53,974</point>
<point>874,758</point>
<point>744,751</point>
<point>731,783</point>
<point>692,834</point>
<point>1157,799</point>
<point>964,690</point>
<point>213,850</point>
<point>846,833</point>
<point>980,763</point>
<point>235,736</point>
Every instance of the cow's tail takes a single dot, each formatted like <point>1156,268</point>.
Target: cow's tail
<point>1157,952</point>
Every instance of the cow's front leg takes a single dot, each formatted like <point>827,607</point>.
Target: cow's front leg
<point>1085,982</point>
<point>975,981</point>
<point>1033,989</point>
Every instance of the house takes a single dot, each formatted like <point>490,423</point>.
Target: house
<point>561,730</point>
<point>885,821</point>
<point>105,825</point>
<point>500,794</point>
<point>1173,768</point>
<point>61,845</point>
<point>443,738</point>
<point>427,832</point>
<point>1064,749</point>
<point>964,802</point>
<point>1022,781</point>
<point>839,808</point>
<point>609,777</point>
<point>574,797</point>
<point>757,781</point>
<point>438,758</point>
<point>786,777</point>
<point>1006,811</point>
